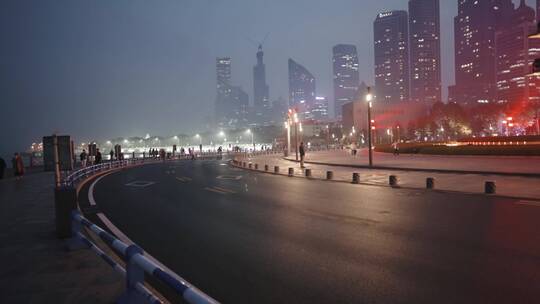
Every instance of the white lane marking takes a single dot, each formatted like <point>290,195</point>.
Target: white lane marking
<point>224,189</point>
<point>140,184</point>
<point>183,179</point>
<point>528,203</point>
<point>121,236</point>
<point>230,177</point>
<point>91,190</point>
<point>215,190</point>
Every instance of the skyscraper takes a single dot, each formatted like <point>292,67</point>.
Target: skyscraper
<point>425,50</point>
<point>346,75</point>
<point>516,53</point>
<point>390,31</point>
<point>260,88</point>
<point>223,73</point>
<point>231,101</point>
<point>474,29</point>
<point>301,89</point>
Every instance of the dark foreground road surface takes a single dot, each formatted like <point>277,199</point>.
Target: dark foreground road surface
<point>253,238</point>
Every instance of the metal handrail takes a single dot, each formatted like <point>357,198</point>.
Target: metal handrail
<point>138,265</point>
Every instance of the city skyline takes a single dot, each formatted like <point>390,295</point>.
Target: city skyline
<point>140,56</point>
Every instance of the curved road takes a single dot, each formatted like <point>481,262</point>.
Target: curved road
<point>245,237</point>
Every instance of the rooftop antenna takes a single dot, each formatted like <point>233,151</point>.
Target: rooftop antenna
<point>259,44</point>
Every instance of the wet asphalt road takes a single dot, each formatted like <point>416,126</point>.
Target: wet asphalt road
<point>260,238</point>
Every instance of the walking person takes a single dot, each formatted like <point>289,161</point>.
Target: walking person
<point>396,148</point>
<point>98,157</point>
<point>111,154</point>
<point>3,166</point>
<point>302,154</point>
<point>18,166</point>
<point>83,157</point>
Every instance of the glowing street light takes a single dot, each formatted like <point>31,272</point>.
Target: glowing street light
<point>248,131</point>
<point>369,98</point>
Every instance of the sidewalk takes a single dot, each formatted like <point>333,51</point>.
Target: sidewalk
<point>36,268</point>
<point>512,165</point>
<point>511,186</point>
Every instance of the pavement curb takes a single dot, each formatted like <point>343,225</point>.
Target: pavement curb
<point>531,175</point>
<point>285,174</point>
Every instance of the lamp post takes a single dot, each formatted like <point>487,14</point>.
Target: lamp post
<point>252,141</point>
<point>296,134</point>
<point>369,98</point>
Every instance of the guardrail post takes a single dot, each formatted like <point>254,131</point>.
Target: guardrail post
<point>329,175</point>
<point>392,180</point>
<point>134,276</point>
<point>355,178</point>
<point>308,172</point>
<point>430,183</point>
<point>291,171</point>
<point>490,188</point>
<point>65,201</point>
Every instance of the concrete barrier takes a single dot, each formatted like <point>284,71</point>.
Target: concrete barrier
<point>490,188</point>
<point>329,175</point>
<point>430,183</point>
<point>308,172</point>
<point>393,180</point>
<point>355,178</point>
<point>291,171</point>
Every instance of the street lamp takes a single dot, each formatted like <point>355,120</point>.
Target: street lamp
<point>369,98</point>
<point>252,141</point>
<point>296,134</point>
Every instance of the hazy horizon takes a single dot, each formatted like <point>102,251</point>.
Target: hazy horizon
<point>102,69</point>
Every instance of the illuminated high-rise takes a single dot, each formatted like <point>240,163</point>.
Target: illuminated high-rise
<point>391,37</point>
<point>301,88</point>
<point>425,50</point>
<point>346,75</point>
<point>474,30</point>
<point>261,99</point>
<point>516,53</point>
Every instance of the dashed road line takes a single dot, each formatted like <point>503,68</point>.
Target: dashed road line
<point>224,189</point>
<point>183,179</point>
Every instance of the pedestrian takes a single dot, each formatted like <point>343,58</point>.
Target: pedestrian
<point>98,157</point>
<point>302,154</point>
<point>396,148</point>
<point>18,166</point>
<point>3,166</point>
<point>111,155</point>
<point>83,157</point>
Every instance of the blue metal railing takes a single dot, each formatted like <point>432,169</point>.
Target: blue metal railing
<point>138,265</point>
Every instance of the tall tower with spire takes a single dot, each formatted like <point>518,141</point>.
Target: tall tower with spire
<point>261,90</point>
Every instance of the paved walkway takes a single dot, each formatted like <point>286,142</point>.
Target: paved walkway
<point>36,268</point>
<point>512,186</point>
<point>502,164</point>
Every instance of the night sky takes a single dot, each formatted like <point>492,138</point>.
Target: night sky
<point>102,69</point>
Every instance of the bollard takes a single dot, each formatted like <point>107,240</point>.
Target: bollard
<point>490,188</point>
<point>250,165</point>
<point>266,168</point>
<point>291,171</point>
<point>329,175</point>
<point>65,201</point>
<point>308,172</point>
<point>276,169</point>
<point>392,180</point>
<point>256,166</point>
<point>355,178</point>
<point>430,183</point>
